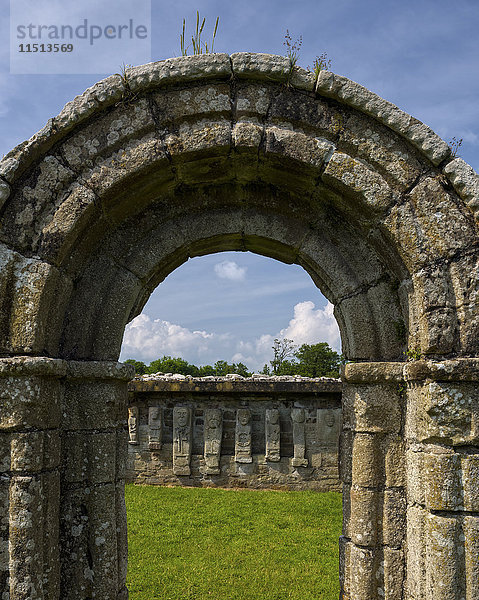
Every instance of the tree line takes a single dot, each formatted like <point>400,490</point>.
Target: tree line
<point>308,360</point>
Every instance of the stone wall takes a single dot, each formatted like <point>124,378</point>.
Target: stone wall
<point>260,432</point>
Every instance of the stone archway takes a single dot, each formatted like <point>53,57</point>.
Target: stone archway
<point>196,155</point>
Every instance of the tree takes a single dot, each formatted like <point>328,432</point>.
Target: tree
<point>167,364</point>
<point>221,368</point>
<point>317,360</point>
<point>140,367</point>
<point>282,349</point>
<point>206,370</point>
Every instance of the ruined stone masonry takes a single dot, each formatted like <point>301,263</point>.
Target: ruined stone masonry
<point>195,155</point>
<point>242,431</point>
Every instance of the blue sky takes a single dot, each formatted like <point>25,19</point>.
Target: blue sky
<point>421,55</point>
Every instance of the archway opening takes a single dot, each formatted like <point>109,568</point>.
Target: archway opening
<point>267,299</point>
<point>230,306</point>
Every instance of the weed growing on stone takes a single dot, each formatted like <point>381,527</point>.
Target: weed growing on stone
<point>128,95</point>
<point>199,46</point>
<point>413,354</point>
<point>321,63</point>
<point>292,52</point>
<point>455,144</point>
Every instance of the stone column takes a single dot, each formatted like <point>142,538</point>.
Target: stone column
<point>30,392</point>
<point>155,427</point>
<point>442,431</point>
<point>93,534</point>
<point>213,433</point>
<point>372,547</point>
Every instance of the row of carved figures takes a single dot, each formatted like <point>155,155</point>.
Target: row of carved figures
<point>213,432</point>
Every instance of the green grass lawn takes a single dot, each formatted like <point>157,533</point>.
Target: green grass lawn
<point>190,543</point>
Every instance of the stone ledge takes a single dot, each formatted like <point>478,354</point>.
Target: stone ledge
<point>235,383</point>
<point>32,365</point>
<point>460,369</point>
<point>373,372</point>
<point>57,367</point>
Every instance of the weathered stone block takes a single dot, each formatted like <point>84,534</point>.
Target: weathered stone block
<point>444,411</point>
<point>346,455</point>
<point>246,136</point>
<point>33,547</point>
<point>416,553</point>
<point>32,309</point>
<point>29,402</point>
<point>35,451</point>
<point>367,463</point>
<point>89,542</point>
<point>111,174</point>
<point>451,481</point>
<point>176,105</point>
<point>429,225</point>
<point>353,94</point>
<point>253,101</point>
<point>344,562</point>
<point>173,70</point>
<point>90,457</point>
<point>203,136</point>
<point>465,181</point>
<point>377,146</point>
<point>297,146</point>
<point>394,572</point>
<point>124,123</point>
<point>91,404</point>
<point>471,555</point>
<point>362,573</point>
<point>4,532</point>
<point>365,515</point>
<point>77,210</point>
<point>255,65</point>
<point>442,476</point>
<point>415,475</point>
<point>29,207</point>
<point>445,576</point>
<point>438,331</point>
<point>470,479</point>
<point>395,461</point>
<point>394,517</point>
<point>372,408</point>
<point>354,178</point>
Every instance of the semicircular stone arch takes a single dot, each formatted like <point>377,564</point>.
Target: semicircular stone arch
<point>196,155</point>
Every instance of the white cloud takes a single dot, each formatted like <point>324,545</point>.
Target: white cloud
<point>147,339</point>
<point>310,326</point>
<point>228,269</point>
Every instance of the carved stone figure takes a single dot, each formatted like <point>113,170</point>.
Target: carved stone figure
<point>155,428</point>
<point>243,436</point>
<point>213,434</point>
<point>133,425</point>
<point>182,440</point>
<point>328,426</point>
<point>299,438</point>
<point>273,435</point>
